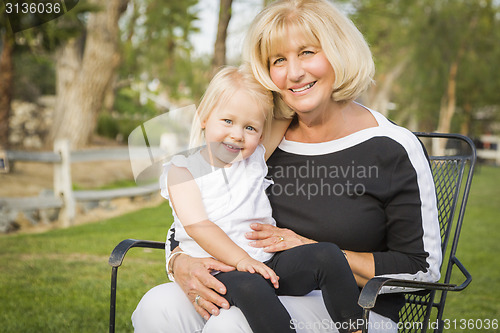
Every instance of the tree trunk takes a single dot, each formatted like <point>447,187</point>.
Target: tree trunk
<point>378,96</point>
<point>448,107</point>
<point>220,43</point>
<point>84,77</point>
<point>449,101</point>
<point>6,83</point>
<point>465,127</point>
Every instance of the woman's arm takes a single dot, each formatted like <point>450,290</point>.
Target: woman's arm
<point>194,278</point>
<point>272,140</point>
<point>362,266</point>
<point>274,239</point>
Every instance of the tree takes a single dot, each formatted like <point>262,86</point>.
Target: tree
<point>85,67</point>
<point>6,83</point>
<point>427,55</point>
<point>157,46</point>
<point>6,76</point>
<point>220,42</point>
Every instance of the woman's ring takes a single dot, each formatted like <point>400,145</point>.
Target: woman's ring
<point>281,238</point>
<point>196,299</point>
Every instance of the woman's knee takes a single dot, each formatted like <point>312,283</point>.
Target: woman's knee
<point>165,308</point>
<point>228,321</point>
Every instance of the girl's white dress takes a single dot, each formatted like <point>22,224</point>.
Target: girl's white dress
<point>234,197</point>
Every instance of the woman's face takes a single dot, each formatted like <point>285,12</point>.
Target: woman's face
<point>303,74</point>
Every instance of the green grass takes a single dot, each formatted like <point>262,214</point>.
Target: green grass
<point>59,281</point>
<point>121,183</point>
<point>478,251</point>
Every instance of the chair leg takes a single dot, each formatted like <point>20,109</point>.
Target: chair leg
<point>112,306</point>
<point>366,318</point>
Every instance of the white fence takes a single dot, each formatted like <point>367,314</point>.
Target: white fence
<point>490,149</point>
<point>64,198</point>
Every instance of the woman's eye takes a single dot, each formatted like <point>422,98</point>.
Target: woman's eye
<point>278,61</point>
<point>307,52</point>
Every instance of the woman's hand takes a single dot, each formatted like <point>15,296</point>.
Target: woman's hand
<point>251,265</point>
<point>274,239</point>
<point>194,278</point>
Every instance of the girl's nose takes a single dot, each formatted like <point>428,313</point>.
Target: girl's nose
<point>236,133</point>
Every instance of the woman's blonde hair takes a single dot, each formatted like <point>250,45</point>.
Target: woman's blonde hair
<point>321,24</point>
<point>222,87</point>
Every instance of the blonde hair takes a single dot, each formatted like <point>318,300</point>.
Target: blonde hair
<point>321,24</point>
<point>221,89</point>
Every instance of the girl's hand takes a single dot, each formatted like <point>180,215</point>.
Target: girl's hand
<point>194,278</point>
<point>254,266</point>
<point>274,239</point>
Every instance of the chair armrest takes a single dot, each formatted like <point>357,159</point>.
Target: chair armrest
<point>119,252</point>
<point>371,290</point>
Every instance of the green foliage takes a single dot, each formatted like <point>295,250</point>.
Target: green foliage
<point>107,126</point>
<point>128,113</point>
<point>127,102</point>
<point>34,75</point>
<point>429,36</point>
<point>156,46</point>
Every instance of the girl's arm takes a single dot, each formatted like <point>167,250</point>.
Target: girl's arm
<point>186,199</point>
<point>273,138</point>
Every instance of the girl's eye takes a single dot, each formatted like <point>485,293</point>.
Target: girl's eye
<point>228,121</point>
<point>250,128</point>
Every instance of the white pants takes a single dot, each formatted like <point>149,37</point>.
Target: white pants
<point>166,309</point>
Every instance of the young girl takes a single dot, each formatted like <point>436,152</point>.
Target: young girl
<point>218,191</point>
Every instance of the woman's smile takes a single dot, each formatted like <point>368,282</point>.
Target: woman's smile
<point>303,88</point>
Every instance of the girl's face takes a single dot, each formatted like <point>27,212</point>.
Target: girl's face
<point>303,74</point>
<point>234,130</point>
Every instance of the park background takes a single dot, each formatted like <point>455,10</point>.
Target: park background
<point>98,72</point>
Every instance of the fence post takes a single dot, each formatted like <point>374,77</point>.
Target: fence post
<point>63,184</point>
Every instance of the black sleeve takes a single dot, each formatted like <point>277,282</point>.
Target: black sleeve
<point>413,236</point>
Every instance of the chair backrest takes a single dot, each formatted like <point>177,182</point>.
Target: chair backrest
<point>452,170</point>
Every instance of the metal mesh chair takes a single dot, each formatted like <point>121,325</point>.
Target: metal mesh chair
<point>452,176</point>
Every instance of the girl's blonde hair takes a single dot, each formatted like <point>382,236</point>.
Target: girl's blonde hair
<point>321,24</point>
<point>222,87</point>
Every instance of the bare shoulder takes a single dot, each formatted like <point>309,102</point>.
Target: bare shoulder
<point>362,117</point>
<point>178,175</point>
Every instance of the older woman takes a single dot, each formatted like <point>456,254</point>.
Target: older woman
<point>342,173</point>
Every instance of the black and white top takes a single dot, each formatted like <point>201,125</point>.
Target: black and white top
<point>371,191</point>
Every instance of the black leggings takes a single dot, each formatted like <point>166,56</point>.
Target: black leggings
<point>301,270</point>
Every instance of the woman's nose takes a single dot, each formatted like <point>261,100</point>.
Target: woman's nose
<point>295,70</point>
